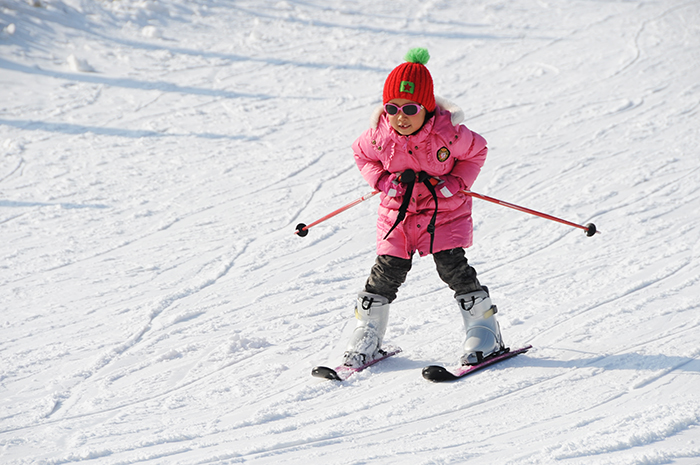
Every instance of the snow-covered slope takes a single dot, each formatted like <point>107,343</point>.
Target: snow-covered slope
<point>157,307</point>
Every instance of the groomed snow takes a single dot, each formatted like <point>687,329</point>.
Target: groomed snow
<point>156,306</point>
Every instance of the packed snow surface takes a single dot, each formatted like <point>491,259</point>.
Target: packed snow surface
<point>157,307</point>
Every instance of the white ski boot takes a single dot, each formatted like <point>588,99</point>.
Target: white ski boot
<point>372,313</point>
<point>483,333</point>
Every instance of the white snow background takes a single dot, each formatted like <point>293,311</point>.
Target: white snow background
<point>157,307</point>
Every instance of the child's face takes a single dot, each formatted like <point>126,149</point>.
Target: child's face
<point>403,124</point>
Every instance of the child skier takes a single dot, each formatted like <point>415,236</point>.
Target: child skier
<point>420,158</point>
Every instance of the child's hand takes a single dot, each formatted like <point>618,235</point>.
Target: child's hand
<point>389,184</point>
<point>448,186</point>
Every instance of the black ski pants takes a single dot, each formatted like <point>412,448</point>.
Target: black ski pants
<point>389,273</point>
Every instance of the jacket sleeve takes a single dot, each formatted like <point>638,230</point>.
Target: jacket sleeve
<point>367,161</point>
<point>469,163</point>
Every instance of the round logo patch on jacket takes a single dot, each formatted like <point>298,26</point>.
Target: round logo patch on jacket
<point>443,154</point>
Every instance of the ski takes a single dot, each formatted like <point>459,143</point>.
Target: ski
<point>439,374</point>
<point>342,372</point>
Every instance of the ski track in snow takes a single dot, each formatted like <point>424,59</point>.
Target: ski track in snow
<point>157,306</point>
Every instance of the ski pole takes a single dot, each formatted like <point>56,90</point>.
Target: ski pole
<point>302,229</point>
<point>589,228</point>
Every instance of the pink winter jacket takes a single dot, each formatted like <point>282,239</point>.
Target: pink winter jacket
<point>439,148</point>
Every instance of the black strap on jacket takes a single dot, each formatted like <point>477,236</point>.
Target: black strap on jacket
<point>425,179</point>
<point>409,178</point>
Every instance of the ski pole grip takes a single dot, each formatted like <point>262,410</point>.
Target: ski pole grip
<point>408,177</point>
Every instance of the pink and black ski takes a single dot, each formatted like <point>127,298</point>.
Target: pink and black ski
<point>342,372</point>
<point>439,374</point>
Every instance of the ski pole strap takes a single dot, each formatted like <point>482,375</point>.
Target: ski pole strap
<point>408,177</point>
<point>425,178</point>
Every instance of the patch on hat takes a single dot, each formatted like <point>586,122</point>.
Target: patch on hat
<point>407,86</point>
<point>443,154</point>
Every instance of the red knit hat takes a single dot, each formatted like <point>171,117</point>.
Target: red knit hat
<point>412,80</point>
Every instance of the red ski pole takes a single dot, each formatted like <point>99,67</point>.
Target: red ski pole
<point>302,229</point>
<point>589,228</point>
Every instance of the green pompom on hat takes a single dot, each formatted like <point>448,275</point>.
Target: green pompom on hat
<point>411,80</point>
<point>418,55</point>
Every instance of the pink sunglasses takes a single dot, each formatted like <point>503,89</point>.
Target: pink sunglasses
<point>409,109</point>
